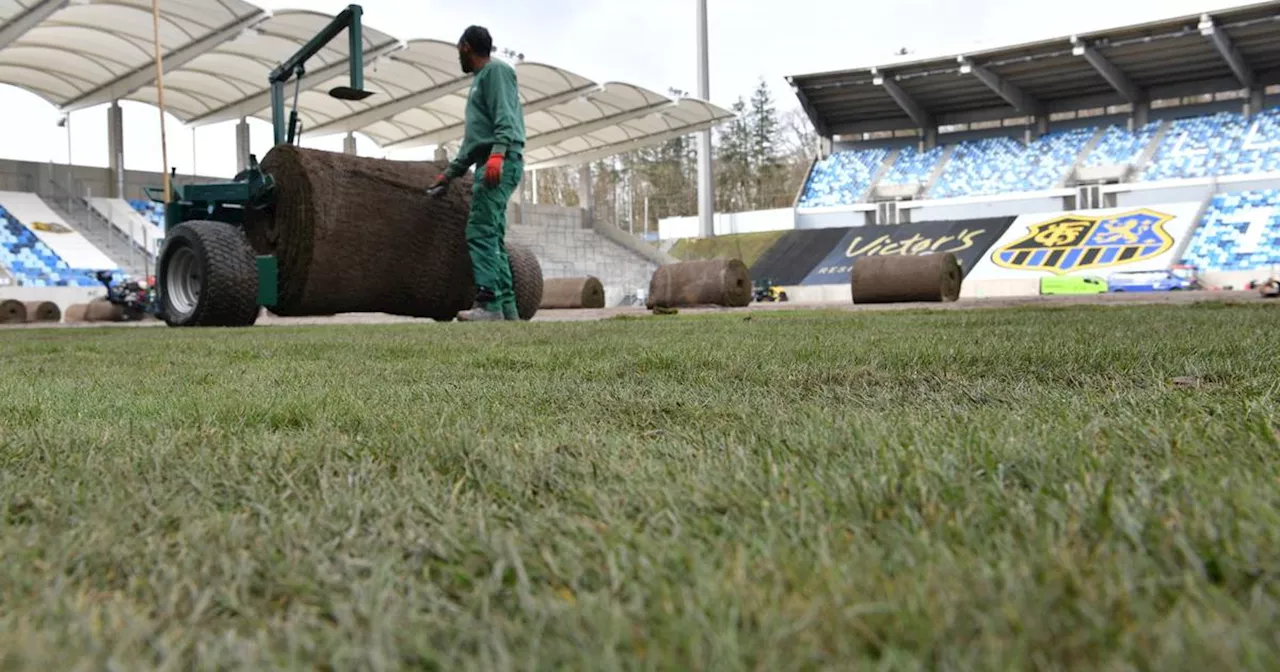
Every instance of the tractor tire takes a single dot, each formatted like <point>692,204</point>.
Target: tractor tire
<point>526,276</point>
<point>208,276</point>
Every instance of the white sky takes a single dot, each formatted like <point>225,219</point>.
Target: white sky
<point>650,43</point>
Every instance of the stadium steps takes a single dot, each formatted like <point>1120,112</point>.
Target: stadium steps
<point>939,169</point>
<point>565,251</point>
<point>1084,156</point>
<point>129,257</point>
<point>1150,152</point>
<point>885,167</point>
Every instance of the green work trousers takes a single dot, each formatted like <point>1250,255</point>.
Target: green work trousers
<point>487,228</point>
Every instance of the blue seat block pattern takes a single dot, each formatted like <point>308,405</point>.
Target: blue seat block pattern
<point>1226,239</point>
<point>842,178</point>
<point>1221,144</point>
<point>31,262</point>
<point>913,166</point>
<point>1004,165</point>
<point>1118,146</point>
<point>149,209</point>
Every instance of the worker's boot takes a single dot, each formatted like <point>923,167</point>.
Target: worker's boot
<point>509,312</point>
<point>484,310</point>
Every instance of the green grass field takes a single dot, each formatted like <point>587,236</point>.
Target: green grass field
<point>1082,488</point>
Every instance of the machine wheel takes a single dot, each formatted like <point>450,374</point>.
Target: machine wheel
<point>208,276</point>
<point>526,275</point>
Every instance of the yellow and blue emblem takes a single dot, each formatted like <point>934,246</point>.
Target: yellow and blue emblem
<point>1077,242</point>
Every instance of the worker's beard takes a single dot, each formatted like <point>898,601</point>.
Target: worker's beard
<point>466,64</point>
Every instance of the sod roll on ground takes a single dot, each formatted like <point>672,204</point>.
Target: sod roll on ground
<point>361,235</point>
<point>906,279</point>
<point>572,293</point>
<point>713,282</point>
<point>43,311</point>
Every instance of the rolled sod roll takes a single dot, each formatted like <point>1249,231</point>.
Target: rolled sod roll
<point>43,311</point>
<point>714,282</point>
<point>571,293</point>
<point>75,313</point>
<point>101,310</point>
<point>906,279</point>
<point>12,312</point>
<point>361,235</point>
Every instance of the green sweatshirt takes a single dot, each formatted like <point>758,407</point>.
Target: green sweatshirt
<point>495,118</point>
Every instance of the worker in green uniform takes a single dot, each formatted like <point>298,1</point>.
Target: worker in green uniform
<point>494,144</point>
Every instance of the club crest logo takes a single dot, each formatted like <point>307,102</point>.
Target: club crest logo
<point>1077,242</point>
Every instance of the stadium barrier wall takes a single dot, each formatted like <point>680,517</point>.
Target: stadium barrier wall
<point>72,247</point>
<point>1086,243</point>
<point>34,177</point>
<point>967,239</point>
<point>63,296</point>
<point>727,223</point>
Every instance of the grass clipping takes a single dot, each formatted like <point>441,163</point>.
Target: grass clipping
<point>361,235</point>
<point>715,282</point>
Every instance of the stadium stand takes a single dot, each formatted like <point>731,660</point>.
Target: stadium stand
<point>1221,144</point>
<point>151,210</point>
<point>913,166</point>
<point>842,178</point>
<point>1118,146</point>
<point>31,262</point>
<point>1240,231</point>
<point>138,226</point>
<point>1003,165</point>
<point>565,249</point>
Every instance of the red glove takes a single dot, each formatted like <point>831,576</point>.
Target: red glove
<point>493,170</point>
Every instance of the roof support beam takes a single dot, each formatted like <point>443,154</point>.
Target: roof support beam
<point>1229,52</point>
<point>24,22</point>
<point>589,155</point>
<point>819,123</point>
<point>908,104</point>
<point>1114,76</point>
<point>144,75</point>
<point>443,135</point>
<point>558,136</point>
<point>261,100</point>
<point>359,120</point>
<point>1020,100</point>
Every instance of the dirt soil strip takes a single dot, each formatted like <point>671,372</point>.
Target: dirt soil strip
<point>1155,298</point>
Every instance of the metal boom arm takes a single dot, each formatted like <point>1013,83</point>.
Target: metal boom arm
<point>349,20</point>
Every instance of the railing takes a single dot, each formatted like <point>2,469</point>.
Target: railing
<point>80,209</point>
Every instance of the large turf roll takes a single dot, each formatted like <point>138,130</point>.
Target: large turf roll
<point>715,282</point>
<point>43,311</point>
<point>12,312</point>
<point>572,293</point>
<point>906,279</point>
<point>361,235</point>
<point>75,313</point>
<point>101,310</point>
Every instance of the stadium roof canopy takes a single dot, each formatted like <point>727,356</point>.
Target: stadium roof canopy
<point>686,116</point>
<point>217,55</point>
<point>1231,49</point>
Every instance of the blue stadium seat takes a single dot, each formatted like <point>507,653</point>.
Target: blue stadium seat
<point>1118,146</point>
<point>1004,165</point>
<point>913,166</point>
<point>1222,144</point>
<point>1240,232</point>
<point>842,178</point>
<point>31,262</point>
<point>149,209</point>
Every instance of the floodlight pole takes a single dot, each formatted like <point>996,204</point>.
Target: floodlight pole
<point>706,198</point>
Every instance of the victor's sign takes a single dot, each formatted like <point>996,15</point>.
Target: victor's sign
<point>967,239</point>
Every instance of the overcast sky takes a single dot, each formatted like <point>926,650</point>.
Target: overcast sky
<point>650,43</point>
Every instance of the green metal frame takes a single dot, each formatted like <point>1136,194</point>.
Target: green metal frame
<point>253,189</point>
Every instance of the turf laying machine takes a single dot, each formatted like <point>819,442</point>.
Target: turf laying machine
<point>308,232</point>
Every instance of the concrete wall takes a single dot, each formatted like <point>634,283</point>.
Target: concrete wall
<point>947,210</point>
<point>36,177</point>
<point>1157,193</point>
<point>864,215</point>
<point>783,219</point>
<point>63,296</point>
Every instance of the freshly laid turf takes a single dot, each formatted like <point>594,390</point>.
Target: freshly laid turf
<point>1088,488</point>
